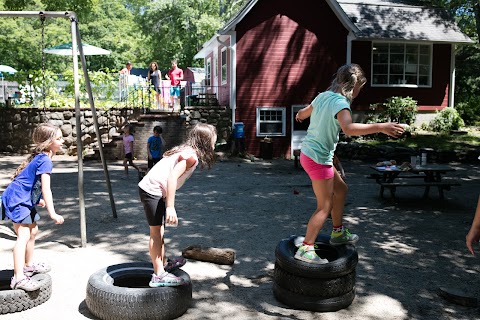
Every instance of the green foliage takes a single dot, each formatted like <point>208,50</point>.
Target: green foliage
<point>395,109</point>
<point>178,29</point>
<point>446,120</point>
<point>469,110</point>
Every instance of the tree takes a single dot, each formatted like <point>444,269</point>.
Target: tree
<point>177,29</point>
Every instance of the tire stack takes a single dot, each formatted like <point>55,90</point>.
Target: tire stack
<point>322,288</point>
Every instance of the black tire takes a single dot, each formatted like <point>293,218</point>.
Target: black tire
<point>342,259</point>
<point>301,302</point>
<point>321,288</point>
<point>19,300</point>
<point>121,292</point>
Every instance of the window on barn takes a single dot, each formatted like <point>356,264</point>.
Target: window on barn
<point>271,121</point>
<point>208,71</point>
<point>224,65</point>
<point>401,64</point>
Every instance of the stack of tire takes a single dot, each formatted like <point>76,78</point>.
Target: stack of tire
<point>315,287</point>
<point>121,292</point>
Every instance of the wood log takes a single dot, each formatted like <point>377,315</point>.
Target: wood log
<point>209,254</point>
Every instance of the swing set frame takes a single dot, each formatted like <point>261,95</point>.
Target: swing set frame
<point>76,39</point>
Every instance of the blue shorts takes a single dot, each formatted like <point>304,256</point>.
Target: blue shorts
<point>175,91</point>
<point>33,217</point>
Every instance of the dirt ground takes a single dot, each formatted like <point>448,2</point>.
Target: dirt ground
<point>408,249</point>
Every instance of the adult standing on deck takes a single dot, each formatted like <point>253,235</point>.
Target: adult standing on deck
<point>175,75</point>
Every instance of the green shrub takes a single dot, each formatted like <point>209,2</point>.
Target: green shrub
<point>395,109</point>
<point>469,110</point>
<point>446,120</point>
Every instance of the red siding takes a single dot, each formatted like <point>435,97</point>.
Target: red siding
<point>428,98</point>
<point>286,54</point>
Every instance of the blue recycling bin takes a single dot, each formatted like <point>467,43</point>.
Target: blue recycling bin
<point>238,132</point>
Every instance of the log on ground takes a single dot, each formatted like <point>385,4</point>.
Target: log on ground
<point>209,254</point>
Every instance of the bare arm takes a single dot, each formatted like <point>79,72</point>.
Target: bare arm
<point>131,147</point>
<point>358,129</point>
<point>474,233</point>
<point>148,151</point>
<point>172,180</point>
<point>48,199</point>
<point>304,113</point>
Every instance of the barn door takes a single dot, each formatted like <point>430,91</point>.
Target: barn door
<point>299,130</point>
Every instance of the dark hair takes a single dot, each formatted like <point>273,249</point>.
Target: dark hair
<point>157,129</point>
<point>199,138</point>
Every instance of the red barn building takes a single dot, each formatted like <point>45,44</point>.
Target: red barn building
<point>275,56</point>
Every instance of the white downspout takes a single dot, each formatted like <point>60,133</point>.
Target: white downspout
<point>233,71</point>
<point>350,38</point>
<point>451,88</point>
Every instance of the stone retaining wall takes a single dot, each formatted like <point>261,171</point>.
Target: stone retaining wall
<point>18,123</point>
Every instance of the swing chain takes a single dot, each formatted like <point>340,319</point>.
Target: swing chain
<point>42,19</point>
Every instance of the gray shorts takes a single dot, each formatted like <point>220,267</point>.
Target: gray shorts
<point>154,207</point>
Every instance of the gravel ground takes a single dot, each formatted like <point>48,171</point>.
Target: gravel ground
<point>407,249</point>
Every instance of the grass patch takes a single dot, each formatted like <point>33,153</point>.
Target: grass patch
<point>427,139</point>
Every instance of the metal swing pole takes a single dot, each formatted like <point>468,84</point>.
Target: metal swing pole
<point>94,114</point>
<point>76,86</point>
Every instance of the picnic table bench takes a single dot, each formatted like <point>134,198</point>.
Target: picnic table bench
<point>427,176</point>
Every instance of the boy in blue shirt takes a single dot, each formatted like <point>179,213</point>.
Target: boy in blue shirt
<point>154,146</point>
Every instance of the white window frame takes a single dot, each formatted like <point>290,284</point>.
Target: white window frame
<point>284,121</point>
<point>405,65</point>
<point>208,72</point>
<point>224,65</point>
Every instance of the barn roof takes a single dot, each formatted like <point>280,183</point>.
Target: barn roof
<point>384,20</point>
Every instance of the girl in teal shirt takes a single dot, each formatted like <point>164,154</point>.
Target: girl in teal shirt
<point>330,112</point>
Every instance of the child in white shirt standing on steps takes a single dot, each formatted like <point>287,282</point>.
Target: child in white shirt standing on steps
<point>31,187</point>
<point>330,111</point>
<point>157,193</point>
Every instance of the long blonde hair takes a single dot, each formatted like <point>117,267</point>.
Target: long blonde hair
<point>346,78</point>
<point>199,138</point>
<point>43,136</point>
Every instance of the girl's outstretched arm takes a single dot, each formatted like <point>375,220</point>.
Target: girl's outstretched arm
<point>304,113</point>
<point>48,199</point>
<point>358,129</point>
<point>473,235</point>
<point>179,169</point>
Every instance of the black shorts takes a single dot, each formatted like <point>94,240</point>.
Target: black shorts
<point>152,162</point>
<point>154,207</point>
<point>129,156</point>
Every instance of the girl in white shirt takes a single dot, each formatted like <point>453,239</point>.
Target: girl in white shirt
<point>157,193</point>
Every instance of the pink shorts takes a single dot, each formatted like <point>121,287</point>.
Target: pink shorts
<point>316,171</point>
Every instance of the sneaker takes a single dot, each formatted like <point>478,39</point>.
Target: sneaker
<point>36,268</point>
<point>174,264</point>
<point>308,254</point>
<point>344,237</point>
<point>165,279</point>
<point>26,284</point>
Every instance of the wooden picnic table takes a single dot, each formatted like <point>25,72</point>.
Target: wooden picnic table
<point>427,176</point>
